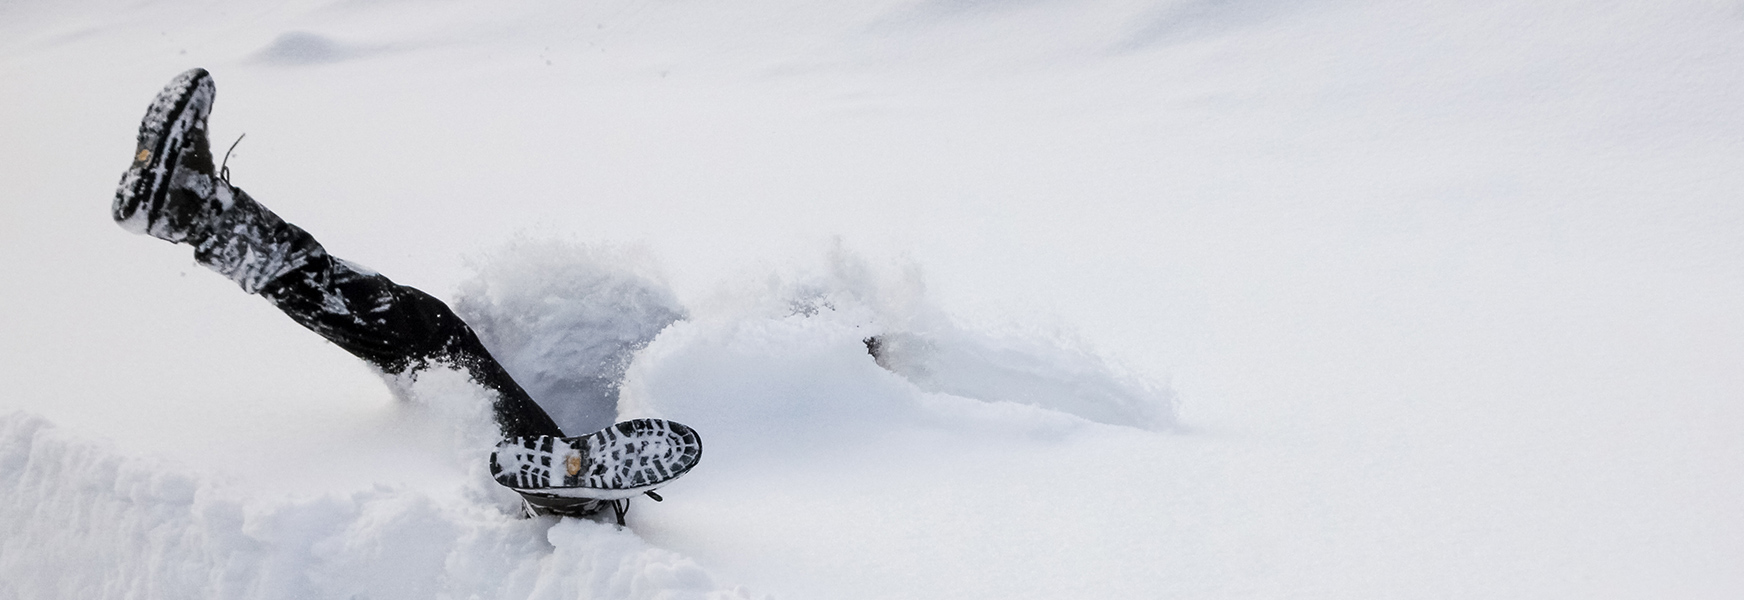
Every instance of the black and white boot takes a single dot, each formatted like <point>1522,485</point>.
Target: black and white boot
<point>583,474</point>
<point>168,192</point>
<point>174,193</point>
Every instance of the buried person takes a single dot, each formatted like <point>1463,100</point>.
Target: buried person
<point>174,192</point>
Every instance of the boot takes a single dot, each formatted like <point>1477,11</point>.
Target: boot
<point>168,193</point>
<point>173,193</point>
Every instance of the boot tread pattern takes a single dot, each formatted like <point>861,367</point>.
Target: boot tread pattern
<point>620,461</point>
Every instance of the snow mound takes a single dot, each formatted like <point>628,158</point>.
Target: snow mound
<point>831,324</point>
<point>79,520</point>
<point>296,48</point>
<point>567,319</point>
<point>564,319</point>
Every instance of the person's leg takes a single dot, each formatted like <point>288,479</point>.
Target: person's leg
<point>172,193</point>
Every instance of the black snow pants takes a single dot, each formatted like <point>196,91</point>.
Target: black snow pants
<point>397,328</point>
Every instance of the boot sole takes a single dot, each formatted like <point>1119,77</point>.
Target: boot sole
<point>182,106</point>
<point>618,462</point>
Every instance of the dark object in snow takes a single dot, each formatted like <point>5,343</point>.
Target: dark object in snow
<point>875,346</point>
<point>171,192</point>
<point>581,474</point>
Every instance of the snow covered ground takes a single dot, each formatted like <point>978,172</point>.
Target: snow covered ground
<point>1186,298</point>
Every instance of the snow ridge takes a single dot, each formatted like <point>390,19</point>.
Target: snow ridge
<point>79,520</point>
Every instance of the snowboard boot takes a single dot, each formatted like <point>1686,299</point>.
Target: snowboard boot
<point>172,192</point>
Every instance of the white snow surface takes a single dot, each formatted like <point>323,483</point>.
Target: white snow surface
<point>1183,298</point>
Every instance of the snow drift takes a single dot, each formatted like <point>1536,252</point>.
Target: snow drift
<point>763,381</point>
<point>564,319</point>
<point>1448,292</point>
<point>79,520</point>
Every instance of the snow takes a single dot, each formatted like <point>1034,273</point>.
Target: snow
<point>1183,298</point>
<point>83,521</point>
<point>566,320</point>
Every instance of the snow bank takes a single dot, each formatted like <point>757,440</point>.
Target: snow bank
<point>79,520</point>
<point>789,352</point>
<point>564,319</point>
<point>808,341</point>
<point>777,376</point>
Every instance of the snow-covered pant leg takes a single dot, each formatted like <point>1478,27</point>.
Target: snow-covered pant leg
<point>397,328</point>
<point>173,192</point>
